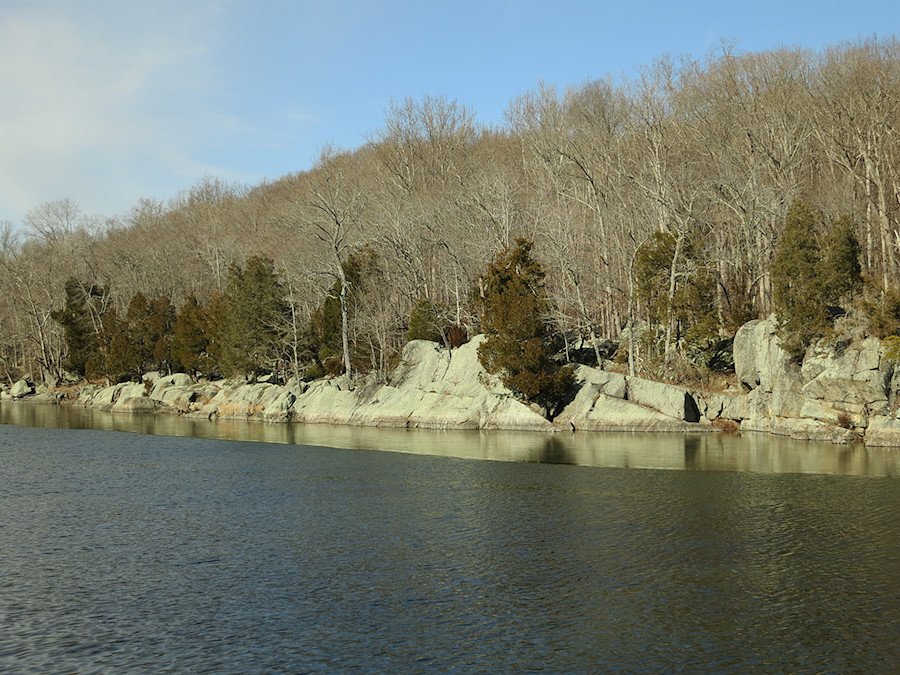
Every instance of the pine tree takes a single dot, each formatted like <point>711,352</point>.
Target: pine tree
<point>122,358</point>
<point>161,328</point>
<point>808,282</point>
<point>518,347</point>
<point>80,322</point>
<point>428,321</point>
<point>190,339</point>
<point>138,323</point>
<point>323,339</point>
<point>252,327</point>
<point>842,272</point>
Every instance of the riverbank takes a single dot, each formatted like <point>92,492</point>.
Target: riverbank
<point>838,395</point>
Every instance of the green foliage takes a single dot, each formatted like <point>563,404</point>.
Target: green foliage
<point>884,313</point>
<point>428,321</point>
<point>79,319</point>
<point>799,293</point>
<point>808,282</point>
<point>190,341</point>
<point>324,335</point>
<point>122,360</point>
<point>652,267</point>
<point>841,273</point>
<point>137,343</point>
<point>161,329</point>
<point>892,348</point>
<point>514,308</point>
<point>252,326</point>
<point>321,341</point>
<point>691,308</point>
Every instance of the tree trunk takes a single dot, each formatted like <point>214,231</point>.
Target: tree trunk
<point>345,321</point>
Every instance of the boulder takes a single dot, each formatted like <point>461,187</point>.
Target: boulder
<point>712,405</point>
<point>748,346</point>
<point>23,387</point>
<point>422,362</point>
<point>883,431</point>
<point>602,412</point>
<point>601,381</point>
<point>242,401</point>
<point>104,397</point>
<point>138,404</point>
<point>669,399</point>
<point>174,380</point>
<point>800,429</point>
<point>759,360</point>
<point>852,374</point>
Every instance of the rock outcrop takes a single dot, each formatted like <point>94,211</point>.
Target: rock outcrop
<point>23,387</point>
<point>608,401</point>
<point>841,393</point>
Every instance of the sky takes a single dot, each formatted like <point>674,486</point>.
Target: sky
<point>106,102</point>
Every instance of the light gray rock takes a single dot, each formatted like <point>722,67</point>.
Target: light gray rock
<point>279,408</point>
<point>601,412</point>
<point>174,380</point>
<point>713,405</point>
<point>430,388</point>
<point>242,401</point>
<point>458,404</point>
<point>23,387</point>
<point>138,404</point>
<point>800,429</point>
<point>52,396</point>
<point>748,346</point>
<point>853,375</point>
<point>602,381</point>
<point>669,399</point>
<point>883,431</point>
<point>105,397</point>
<point>422,362</point>
<point>759,361</point>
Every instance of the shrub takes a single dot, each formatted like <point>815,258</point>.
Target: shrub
<point>519,344</point>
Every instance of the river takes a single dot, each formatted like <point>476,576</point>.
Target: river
<point>320,549</point>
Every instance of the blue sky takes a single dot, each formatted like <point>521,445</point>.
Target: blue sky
<point>105,102</point>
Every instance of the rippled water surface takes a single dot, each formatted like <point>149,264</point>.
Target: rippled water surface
<point>129,552</point>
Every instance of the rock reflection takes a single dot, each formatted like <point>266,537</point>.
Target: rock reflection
<point>749,452</point>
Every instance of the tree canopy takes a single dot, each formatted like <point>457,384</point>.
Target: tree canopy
<point>658,202</point>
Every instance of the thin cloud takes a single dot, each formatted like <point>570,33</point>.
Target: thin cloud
<point>91,89</point>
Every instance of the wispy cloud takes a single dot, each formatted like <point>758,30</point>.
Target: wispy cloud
<point>96,96</point>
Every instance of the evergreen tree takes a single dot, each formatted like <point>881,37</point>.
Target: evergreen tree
<point>190,341</point>
<point>122,358</point>
<point>691,307</point>
<point>519,344</point>
<point>160,329</point>
<point>842,273</point>
<point>428,321</point>
<point>80,321</point>
<point>323,340</point>
<point>252,327</point>
<point>138,319</point>
<point>807,282</point>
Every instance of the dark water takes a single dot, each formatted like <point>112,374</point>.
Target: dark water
<point>126,552</point>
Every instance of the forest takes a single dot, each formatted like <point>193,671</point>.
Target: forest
<point>656,215</point>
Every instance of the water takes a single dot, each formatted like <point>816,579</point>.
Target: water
<point>128,552</point>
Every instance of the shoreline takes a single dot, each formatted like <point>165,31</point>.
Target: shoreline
<point>433,388</point>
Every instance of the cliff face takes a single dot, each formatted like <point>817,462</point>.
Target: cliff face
<point>838,395</point>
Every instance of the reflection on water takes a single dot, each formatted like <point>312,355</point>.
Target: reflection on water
<point>703,451</point>
<point>133,553</point>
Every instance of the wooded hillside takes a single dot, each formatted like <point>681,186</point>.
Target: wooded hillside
<point>659,201</point>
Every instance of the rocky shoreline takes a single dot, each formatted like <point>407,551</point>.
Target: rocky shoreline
<point>839,395</point>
